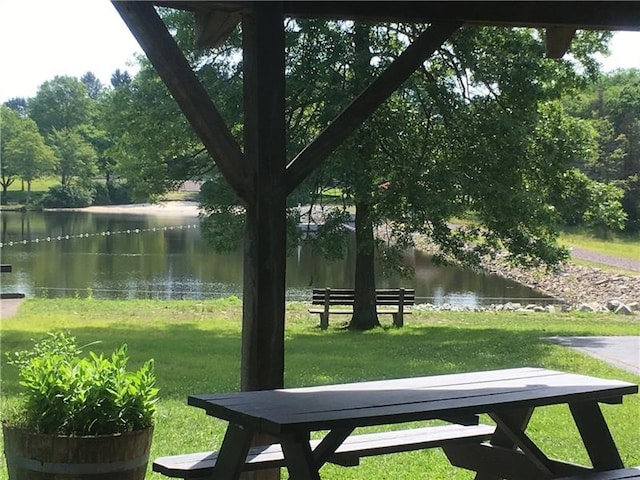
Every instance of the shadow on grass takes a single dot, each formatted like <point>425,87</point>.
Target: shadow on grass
<point>190,359</point>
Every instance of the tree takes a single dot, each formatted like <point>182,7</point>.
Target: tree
<point>120,78</point>
<point>156,156</point>
<point>93,84</point>
<point>18,105</point>
<point>23,151</point>
<point>474,131</point>
<point>61,103</point>
<point>76,158</point>
<point>10,129</point>
<point>612,108</point>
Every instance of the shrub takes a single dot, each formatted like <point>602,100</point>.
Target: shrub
<point>67,196</point>
<point>101,194</point>
<point>68,394</point>
<point>120,193</point>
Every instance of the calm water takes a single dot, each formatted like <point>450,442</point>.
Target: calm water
<point>62,254</point>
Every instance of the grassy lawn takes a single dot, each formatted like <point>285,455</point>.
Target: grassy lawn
<point>618,246</point>
<point>196,347</point>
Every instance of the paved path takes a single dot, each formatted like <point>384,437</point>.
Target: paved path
<point>9,306</point>
<point>604,259</point>
<point>621,352</point>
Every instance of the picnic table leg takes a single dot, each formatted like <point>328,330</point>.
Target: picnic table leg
<point>596,436</point>
<point>299,458</point>
<point>233,452</point>
<point>500,438</point>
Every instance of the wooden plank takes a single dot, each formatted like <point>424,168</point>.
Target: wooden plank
<point>347,453</point>
<point>367,102</point>
<point>374,403</point>
<point>609,15</point>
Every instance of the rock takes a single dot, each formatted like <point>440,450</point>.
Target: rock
<point>623,310</point>
<point>588,307</point>
<point>612,305</point>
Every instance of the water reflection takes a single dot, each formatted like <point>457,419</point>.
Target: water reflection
<point>63,254</point>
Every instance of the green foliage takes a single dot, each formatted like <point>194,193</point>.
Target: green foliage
<point>605,211</point>
<point>100,194</point>
<point>612,107</point>
<point>23,152</point>
<point>67,196</point>
<point>120,193</point>
<point>582,201</point>
<point>68,394</point>
<point>60,103</point>
<point>76,157</point>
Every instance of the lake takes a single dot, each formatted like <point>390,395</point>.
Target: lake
<point>106,255</point>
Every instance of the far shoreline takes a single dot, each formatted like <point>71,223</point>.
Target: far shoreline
<point>165,208</point>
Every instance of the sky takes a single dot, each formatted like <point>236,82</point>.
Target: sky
<point>40,39</point>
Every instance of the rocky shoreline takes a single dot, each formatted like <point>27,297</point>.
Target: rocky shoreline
<point>574,287</point>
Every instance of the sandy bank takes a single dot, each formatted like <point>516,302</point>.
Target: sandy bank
<point>177,208</point>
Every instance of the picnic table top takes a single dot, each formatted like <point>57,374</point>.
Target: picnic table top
<point>407,399</point>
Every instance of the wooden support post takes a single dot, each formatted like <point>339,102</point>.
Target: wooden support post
<point>398,319</point>
<point>265,234</point>
<point>262,365</point>
<point>324,317</point>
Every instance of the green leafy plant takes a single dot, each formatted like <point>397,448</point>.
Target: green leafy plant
<point>67,393</point>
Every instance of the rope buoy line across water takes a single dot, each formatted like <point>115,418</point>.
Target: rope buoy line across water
<point>99,234</point>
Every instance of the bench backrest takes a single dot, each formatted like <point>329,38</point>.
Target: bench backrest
<point>346,296</point>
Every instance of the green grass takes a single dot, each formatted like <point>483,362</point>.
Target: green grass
<point>38,185</point>
<point>617,246</point>
<point>196,346</point>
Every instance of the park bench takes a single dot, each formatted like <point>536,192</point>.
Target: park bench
<point>618,474</point>
<point>388,300</point>
<point>197,465</point>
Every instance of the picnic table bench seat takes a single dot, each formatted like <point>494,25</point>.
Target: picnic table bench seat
<point>197,465</point>
<point>391,301</point>
<point>618,474</point>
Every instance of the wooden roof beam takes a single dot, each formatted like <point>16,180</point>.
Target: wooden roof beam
<point>213,27</point>
<point>581,15</point>
<point>559,40</point>
<point>168,60</point>
<point>367,102</point>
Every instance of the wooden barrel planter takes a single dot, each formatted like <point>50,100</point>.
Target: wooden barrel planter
<point>34,456</point>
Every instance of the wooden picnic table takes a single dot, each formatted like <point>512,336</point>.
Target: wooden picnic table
<point>508,396</point>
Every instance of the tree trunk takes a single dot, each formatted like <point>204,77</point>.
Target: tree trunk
<point>364,308</point>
